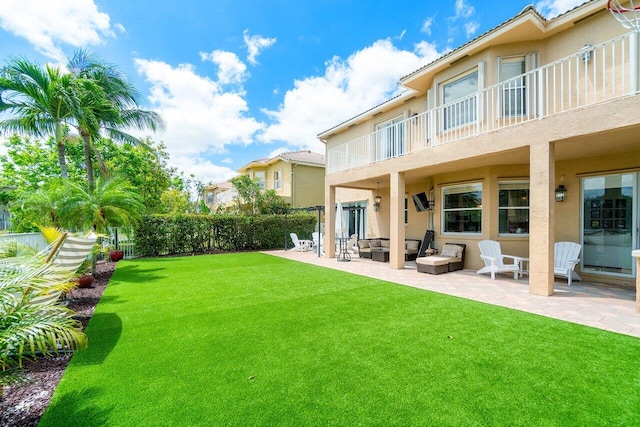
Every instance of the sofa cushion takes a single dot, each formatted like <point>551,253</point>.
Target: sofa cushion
<point>454,251</point>
<point>374,243</point>
<point>385,243</point>
<point>362,244</point>
<point>412,245</point>
<point>433,260</point>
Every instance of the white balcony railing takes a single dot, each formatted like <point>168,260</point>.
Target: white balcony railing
<point>595,74</point>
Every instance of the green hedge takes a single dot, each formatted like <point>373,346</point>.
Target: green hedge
<point>198,234</point>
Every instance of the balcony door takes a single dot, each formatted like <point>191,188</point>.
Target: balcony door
<point>610,223</point>
<point>390,138</point>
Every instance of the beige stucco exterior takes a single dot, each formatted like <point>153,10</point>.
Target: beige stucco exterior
<point>298,177</point>
<point>555,148</point>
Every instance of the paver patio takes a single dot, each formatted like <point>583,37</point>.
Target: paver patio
<point>603,306</point>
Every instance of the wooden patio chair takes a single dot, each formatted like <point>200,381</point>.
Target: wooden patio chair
<point>566,255</point>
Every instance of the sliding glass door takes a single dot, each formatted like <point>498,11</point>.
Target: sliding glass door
<point>610,223</point>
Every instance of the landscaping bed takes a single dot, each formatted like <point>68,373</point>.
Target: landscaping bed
<point>23,404</point>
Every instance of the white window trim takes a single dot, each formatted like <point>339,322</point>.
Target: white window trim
<point>443,210</point>
<point>513,181</point>
<point>479,69</point>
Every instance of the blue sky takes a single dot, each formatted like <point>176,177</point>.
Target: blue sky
<point>240,80</point>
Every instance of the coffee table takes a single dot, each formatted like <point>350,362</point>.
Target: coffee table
<point>381,255</point>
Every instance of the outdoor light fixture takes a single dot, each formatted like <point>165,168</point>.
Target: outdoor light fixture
<point>560,193</point>
<point>585,53</point>
<point>378,199</point>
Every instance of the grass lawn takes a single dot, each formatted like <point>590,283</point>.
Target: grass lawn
<point>252,339</point>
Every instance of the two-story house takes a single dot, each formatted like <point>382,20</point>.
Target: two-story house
<point>219,195</point>
<point>296,176</point>
<point>528,134</point>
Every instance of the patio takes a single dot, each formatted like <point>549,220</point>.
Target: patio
<point>602,306</point>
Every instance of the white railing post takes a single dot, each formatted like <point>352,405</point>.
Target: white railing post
<point>633,61</point>
<point>540,92</point>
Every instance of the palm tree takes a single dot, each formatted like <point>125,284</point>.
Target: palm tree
<point>39,101</point>
<point>109,104</point>
<point>112,203</point>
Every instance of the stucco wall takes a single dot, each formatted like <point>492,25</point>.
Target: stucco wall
<point>308,186</point>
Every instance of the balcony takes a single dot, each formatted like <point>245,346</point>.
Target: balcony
<point>595,74</point>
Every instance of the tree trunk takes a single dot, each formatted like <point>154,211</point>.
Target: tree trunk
<point>61,156</point>
<point>87,160</point>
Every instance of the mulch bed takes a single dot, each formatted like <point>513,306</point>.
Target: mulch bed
<point>23,404</point>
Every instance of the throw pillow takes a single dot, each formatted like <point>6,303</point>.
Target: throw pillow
<point>363,244</point>
<point>450,252</point>
<point>374,243</point>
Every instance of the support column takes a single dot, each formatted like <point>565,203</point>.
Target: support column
<point>636,254</point>
<point>396,220</point>
<point>542,172</point>
<point>330,222</point>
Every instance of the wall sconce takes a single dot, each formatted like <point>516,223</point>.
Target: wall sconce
<point>414,118</point>
<point>378,199</point>
<point>585,53</point>
<point>560,193</point>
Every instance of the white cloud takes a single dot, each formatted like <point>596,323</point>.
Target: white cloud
<point>202,118</point>
<point>552,8</point>
<point>463,10</point>
<point>426,25</point>
<point>203,170</point>
<point>230,68</point>
<point>227,161</point>
<point>255,44</point>
<point>470,28</point>
<point>347,88</point>
<point>48,24</point>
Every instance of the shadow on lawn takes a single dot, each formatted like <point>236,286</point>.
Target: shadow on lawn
<point>104,333</point>
<point>138,274</point>
<point>75,408</point>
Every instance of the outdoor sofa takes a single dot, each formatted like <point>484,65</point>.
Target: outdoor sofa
<point>451,258</point>
<point>365,246</point>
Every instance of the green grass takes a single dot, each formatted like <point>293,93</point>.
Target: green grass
<point>252,339</point>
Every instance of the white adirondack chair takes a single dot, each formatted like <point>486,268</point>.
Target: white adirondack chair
<point>493,258</point>
<point>300,245</point>
<point>565,257</point>
<point>352,244</point>
<point>317,241</point>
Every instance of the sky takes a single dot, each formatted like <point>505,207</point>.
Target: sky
<point>241,80</point>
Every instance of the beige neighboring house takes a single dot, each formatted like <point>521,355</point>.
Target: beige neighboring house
<point>297,176</point>
<point>492,132</point>
<point>219,195</point>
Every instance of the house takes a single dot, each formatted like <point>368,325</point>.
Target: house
<point>219,195</point>
<point>528,134</point>
<point>296,176</point>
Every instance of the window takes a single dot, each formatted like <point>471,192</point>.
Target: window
<point>462,208</point>
<point>513,86</point>
<point>460,98</point>
<point>277,180</point>
<point>513,207</point>
<point>209,197</point>
<point>390,138</point>
<point>260,177</point>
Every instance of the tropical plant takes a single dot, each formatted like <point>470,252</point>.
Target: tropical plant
<point>38,101</point>
<point>28,328</point>
<point>69,205</point>
<point>108,103</point>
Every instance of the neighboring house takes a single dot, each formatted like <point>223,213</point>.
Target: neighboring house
<point>491,131</point>
<point>219,195</point>
<point>296,176</point>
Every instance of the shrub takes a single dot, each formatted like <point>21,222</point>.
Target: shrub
<point>198,234</point>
